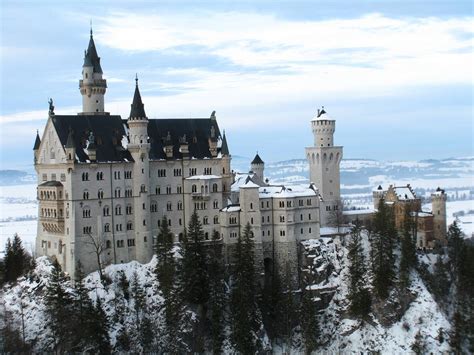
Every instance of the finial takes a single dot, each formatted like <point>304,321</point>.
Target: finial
<point>136,79</point>
<point>37,132</point>
<point>91,26</point>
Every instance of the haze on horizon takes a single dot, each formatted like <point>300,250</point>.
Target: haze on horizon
<point>397,76</point>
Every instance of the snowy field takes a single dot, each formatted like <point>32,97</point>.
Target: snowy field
<point>18,214</point>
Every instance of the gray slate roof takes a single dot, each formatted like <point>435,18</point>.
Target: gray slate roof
<point>91,58</point>
<point>108,132</point>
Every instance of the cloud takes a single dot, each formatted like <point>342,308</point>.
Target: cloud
<point>258,40</point>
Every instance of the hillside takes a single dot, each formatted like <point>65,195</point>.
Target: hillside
<point>338,331</point>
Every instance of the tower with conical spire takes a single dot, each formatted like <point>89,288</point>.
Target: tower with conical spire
<point>258,166</point>
<point>92,85</point>
<point>139,147</point>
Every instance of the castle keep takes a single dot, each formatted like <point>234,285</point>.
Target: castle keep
<point>105,183</point>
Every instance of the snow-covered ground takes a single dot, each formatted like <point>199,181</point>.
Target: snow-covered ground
<point>18,214</point>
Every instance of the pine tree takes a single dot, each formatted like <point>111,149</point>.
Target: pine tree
<point>408,252</point>
<point>418,345</point>
<point>165,268</point>
<point>243,298</point>
<point>309,321</point>
<point>83,312</point>
<point>217,296</point>
<point>455,246</point>
<point>440,279</point>
<point>359,296</point>
<point>124,284</point>
<point>195,276</point>
<point>139,299</point>
<point>17,260</point>
<point>99,328</point>
<point>382,250</point>
<point>58,310</point>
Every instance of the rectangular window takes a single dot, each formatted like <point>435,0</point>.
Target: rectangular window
<point>120,243</point>
<point>45,177</point>
<point>131,242</point>
<point>63,177</point>
<point>53,177</point>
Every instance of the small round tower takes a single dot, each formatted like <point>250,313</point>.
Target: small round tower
<point>438,205</point>
<point>258,167</point>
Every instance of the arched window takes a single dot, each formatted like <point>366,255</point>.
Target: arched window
<point>117,192</point>
<point>142,188</point>
<point>214,187</point>
<point>85,195</point>
<point>118,210</point>
<point>194,189</point>
<point>106,211</point>
<point>216,219</point>
<point>205,220</point>
<point>215,204</point>
<point>100,194</point>
<point>107,227</point>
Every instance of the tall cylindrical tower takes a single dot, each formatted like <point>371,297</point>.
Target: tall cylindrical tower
<point>92,85</point>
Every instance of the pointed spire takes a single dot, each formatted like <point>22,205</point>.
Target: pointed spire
<point>70,140</point>
<point>224,147</point>
<point>91,58</point>
<point>37,141</point>
<point>257,160</point>
<point>138,109</point>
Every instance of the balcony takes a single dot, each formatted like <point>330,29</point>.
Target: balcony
<point>200,196</point>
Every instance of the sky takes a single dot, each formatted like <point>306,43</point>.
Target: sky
<point>397,76</point>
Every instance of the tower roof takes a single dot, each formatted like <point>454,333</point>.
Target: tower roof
<point>37,141</point>
<point>91,58</point>
<point>138,109</point>
<point>224,147</point>
<point>257,160</point>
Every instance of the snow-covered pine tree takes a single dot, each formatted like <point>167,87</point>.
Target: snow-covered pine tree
<point>168,273</point>
<point>195,276</point>
<point>358,294</point>
<point>308,321</point>
<point>408,251</point>
<point>217,295</point>
<point>99,329</point>
<point>59,308</point>
<point>440,281</point>
<point>166,267</point>
<point>243,297</point>
<point>383,260</point>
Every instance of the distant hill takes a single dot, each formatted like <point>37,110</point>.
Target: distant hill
<point>16,177</point>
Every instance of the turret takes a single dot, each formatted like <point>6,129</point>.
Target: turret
<point>258,166</point>
<point>168,146</point>
<point>377,195</point>
<point>438,204</point>
<point>92,148</point>
<point>36,147</point>
<point>139,148</point>
<point>92,85</point>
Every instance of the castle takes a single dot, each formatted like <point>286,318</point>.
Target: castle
<point>105,183</point>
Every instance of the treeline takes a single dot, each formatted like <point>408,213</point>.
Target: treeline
<point>205,304</point>
<point>16,262</point>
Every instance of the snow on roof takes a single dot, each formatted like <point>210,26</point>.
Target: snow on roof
<point>240,179</point>
<point>286,191</point>
<point>231,208</point>
<point>356,212</point>
<point>422,214</point>
<point>249,184</point>
<point>203,177</point>
<point>404,193</point>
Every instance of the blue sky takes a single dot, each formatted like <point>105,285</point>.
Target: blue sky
<point>396,75</point>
